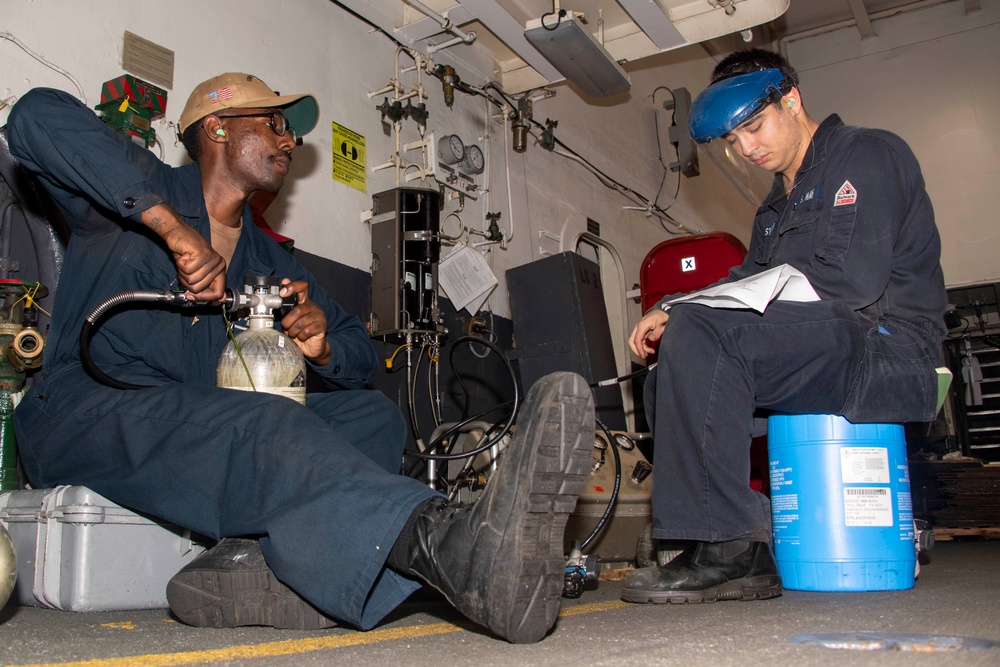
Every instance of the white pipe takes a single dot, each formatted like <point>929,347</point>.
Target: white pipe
<point>510,198</point>
<point>623,365</point>
<point>381,91</point>
<point>442,21</point>
<point>433,48</point>
<point>396,129</point>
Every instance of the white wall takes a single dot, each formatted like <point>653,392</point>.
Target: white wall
<point>930,75</point>
<point>933,77</point>
<point>314,46</point>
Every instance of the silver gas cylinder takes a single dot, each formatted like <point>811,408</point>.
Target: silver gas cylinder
<point>262,358</point>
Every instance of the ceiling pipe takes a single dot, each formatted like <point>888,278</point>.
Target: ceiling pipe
<point>444,22</point>
<point>433,48</point>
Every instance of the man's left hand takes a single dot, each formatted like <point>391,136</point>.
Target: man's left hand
<point>306,323</point>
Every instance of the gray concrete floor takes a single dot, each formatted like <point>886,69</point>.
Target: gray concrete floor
<point>957,596</point>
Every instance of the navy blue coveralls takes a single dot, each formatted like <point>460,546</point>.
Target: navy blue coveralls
<point>318,484</point>
<point>858,223</point>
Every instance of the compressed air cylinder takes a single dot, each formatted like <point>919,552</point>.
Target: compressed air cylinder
<point>262,358</point>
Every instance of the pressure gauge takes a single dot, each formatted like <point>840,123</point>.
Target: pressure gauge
<point>625,443</point>
<point>473,162</point>
<point>451,150</point>
<point>600,443</point>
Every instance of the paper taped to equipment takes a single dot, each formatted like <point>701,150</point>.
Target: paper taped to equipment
<point>466,278</point>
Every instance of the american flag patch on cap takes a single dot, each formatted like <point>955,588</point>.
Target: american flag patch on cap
<point>221,94</point>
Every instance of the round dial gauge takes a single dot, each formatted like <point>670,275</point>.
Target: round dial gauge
<point>599,443</point>
<point>625,443</point>
<point>474,161</point>
<point>451,150</point>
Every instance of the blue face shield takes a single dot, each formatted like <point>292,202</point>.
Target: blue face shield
<point>724,105</point>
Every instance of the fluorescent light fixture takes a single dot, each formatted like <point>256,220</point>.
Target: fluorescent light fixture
<point>572,50</point>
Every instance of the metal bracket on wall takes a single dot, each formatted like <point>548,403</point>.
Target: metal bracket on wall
<point>546,234</point>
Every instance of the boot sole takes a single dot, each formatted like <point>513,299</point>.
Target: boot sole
<point>227,599</point>
<point>750,588</point>
<point>551,471</point>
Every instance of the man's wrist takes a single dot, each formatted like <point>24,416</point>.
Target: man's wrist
<point>324,357</point>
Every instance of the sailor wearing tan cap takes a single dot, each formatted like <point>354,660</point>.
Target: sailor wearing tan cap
<point>319,525</point>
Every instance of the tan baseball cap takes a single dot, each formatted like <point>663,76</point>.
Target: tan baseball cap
<point>235,90</point>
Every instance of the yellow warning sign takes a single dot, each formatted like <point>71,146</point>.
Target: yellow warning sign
<point>349,158</point>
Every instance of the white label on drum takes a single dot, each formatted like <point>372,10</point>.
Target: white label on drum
<point>864,465</point>
<point>867,506</point>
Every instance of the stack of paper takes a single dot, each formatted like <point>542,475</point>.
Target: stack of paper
<point>783,283</point>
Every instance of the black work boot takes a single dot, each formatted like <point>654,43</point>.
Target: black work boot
<point>230,585</point>
<point>500,561</point>
<point>707,572</point>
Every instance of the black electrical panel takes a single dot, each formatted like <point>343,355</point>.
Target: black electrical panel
<point>406,248</point>
<point>561,324</point>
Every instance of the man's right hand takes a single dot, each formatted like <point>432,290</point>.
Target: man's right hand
<point>200,270</point>
<point>645,338</point>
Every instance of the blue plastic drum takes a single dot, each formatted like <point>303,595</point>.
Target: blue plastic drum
<point>841,510</point>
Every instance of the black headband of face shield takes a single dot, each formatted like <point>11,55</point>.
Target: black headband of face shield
<point>773,97</point>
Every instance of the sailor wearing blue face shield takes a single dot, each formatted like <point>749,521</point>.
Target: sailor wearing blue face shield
<point>847,207</point>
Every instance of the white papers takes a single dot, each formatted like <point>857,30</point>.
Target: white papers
<point>783,283</point>
<point>466,278</point>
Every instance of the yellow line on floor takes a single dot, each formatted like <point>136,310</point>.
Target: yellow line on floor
<point>593,607</point>
<point>270,649</point>
<point>295,646</point>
